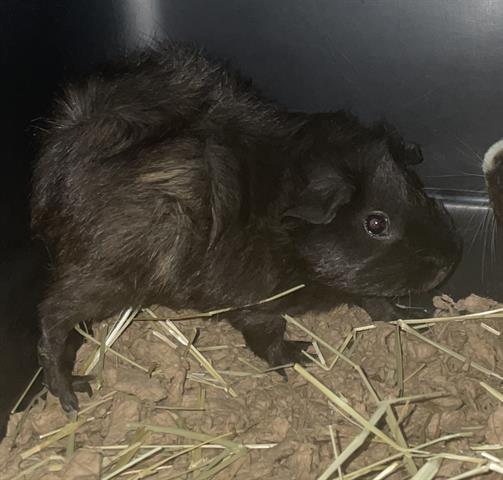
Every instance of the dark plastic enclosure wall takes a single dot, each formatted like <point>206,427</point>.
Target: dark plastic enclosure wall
<point>433,68</point>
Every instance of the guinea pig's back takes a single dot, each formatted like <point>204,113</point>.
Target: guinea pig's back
<point>121,165</point>
<point>145,166</point>
<point>149,99</point>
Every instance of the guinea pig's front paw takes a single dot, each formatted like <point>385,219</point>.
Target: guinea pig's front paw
<point>286,352</point>
<point>414,312</point>
<point>381,309</point>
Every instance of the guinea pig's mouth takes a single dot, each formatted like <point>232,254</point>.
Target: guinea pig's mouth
<point>418,281</point>
<point>441,275</point>
<point>434,279</point>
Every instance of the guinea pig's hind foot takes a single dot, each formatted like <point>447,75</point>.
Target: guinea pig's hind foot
<point>65,390</point>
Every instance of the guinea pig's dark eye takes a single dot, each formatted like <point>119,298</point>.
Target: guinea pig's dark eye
<point>377,224</point>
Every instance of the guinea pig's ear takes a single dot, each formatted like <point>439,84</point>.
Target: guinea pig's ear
<point>406,152</point>
<point>326,191</point>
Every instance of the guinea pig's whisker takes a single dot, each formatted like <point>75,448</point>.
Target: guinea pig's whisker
<point>477,232</point>
<point>460,190</point>
<point>468,158</point>
<point>467,146</point>
<point>494,227</point>
<point>485,233</point>
<point>457,175</point>
<point>468,227</point>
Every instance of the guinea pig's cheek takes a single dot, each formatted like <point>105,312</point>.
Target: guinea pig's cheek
<point>329,265</point>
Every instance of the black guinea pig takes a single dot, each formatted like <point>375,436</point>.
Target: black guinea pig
<point>166,179</point>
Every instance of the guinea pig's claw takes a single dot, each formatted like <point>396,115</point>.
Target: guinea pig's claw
<point>69,401</point>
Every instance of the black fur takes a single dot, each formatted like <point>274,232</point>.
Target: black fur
<point>169,180</point>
